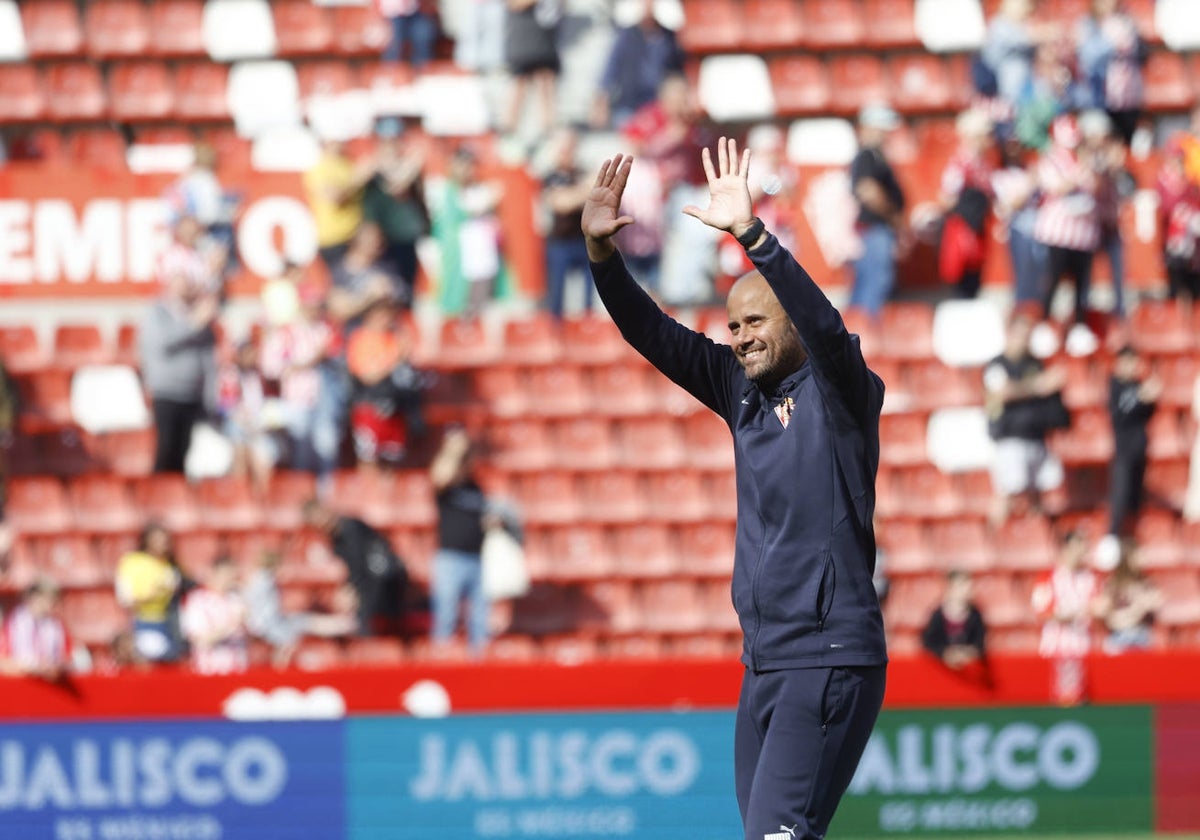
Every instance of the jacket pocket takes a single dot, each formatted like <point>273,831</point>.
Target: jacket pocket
<point>825,590</point>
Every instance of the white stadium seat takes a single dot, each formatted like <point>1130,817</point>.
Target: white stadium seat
<point>950,25</point>
<point>238,29</point>
<point>108,398</point>
<point>967,333</point>
<point>290,149</point>
<point>957,440</point>
<point>263,95</point>
<point>453,106</point>
<point>821,142</point>
<point>12,33</point>
<point>736,88</point>
<point>1179,24</point>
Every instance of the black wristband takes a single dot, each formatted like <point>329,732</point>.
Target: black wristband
<point>756,229</point>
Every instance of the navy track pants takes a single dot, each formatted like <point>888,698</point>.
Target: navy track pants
<point>797,741</point>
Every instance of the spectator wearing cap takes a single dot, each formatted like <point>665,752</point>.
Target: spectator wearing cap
<point>881,210</point>
<point>1068,220</point>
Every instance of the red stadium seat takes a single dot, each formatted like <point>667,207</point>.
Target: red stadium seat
<point>905,544</point>
<point>102,148</point>
<point>127,352</point>
<point>465,343</point>
<point>359,30</point>
<point>228,504</point>
<point>37,506</point>
<point>772,25</point>
<point>570,649</point>
<point>21,95</point>
<point>800,83</point>
<point>651,443</point>
<point>141,91</point>
<point>920,83</point>
<point>324,78</point>
<point>911,600</point>
<point>580,552</point>
<point>645,549</point>
<point>927,492</point>
<point>622,389</point>
<point>1159,540</point>
<point>381,652</point>
<point>76,345</point>
<point>286,495</point>
<point>962,544</point>
<point>711,26</point>
<point>94,617</point>
<point>548,497</point>
<point>834,24</point>
<point>975,492</point>
<point>1168,436</point>
<point>46,400</point>
<point>52,28</point>
<point>671,606</point>
<point>103,504</point>
<point>593,340</point>
<point>557,391</point>
<point>1178,375</point>
<point>614,496</point>
<point>1000,602</point>
<point>1089,440</point>
<point>1087,383</point>
<point>708,441</point>
<point>535,340</point>
<point>1166,483</point>
<point>1025,543</point>
<point>858,78</point>
<point>75,91</point>
<point>502,389</point>
<point>890,23</point>
<point>71,559</point>
<point>520,444</point>
<point>177,28</point>
<point>708,547</point>
<point>198,550</point>
<point>902,439</point>
<point>931,385</point>
<point>168,499</point>
<point>721,491</point>
<point>20,349</point>
<point>907,331</point>
<point>1163,327</point>
<point>645,646</point>
<point>677,496</point>
<point>200,92</point>
<point>128,453</point>
<point>116,28</point>
<point>1168,83</point>
<point>301,28</point>
<point>585,443</point>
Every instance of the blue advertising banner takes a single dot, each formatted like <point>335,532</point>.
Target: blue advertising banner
<point>162,781</point>
<point>631,775</point>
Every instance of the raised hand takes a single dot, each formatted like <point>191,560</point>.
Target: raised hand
<point>601,211</point>
<point>729,204</point>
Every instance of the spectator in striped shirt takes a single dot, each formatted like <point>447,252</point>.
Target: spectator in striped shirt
<point>1068,220</point>
<point>1179,222</point>
<point>35,641</point>
<point>213,619</point>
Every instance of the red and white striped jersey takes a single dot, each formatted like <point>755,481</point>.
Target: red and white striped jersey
<point>1064,597</point>
<point>215,625</point>
<point>36,642</point>
<point>1069,215</point>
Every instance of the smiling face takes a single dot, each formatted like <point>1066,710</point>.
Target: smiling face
<point>765,340</point>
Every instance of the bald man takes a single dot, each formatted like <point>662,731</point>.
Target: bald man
<point>803,409</point>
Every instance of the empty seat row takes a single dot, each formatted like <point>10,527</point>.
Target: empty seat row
<point>220,29</point>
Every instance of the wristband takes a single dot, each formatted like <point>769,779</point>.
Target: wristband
<point>756,229</point>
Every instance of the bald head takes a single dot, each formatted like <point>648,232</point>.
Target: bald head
<point>764,339</point>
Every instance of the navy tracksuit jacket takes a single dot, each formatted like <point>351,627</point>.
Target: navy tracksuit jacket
<point>805,493</point>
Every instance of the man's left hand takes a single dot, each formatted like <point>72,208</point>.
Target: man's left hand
<point>729,205</point>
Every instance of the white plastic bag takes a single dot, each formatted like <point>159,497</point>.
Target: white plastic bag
<point>505,574</point>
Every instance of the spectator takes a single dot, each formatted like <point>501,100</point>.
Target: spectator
<point>966,196</point>
<point>1023,402</point>
<point>1131,400</point>
<point>267,620</point>
<point>1066,600</point>
<point>1179,222</point>
<point>334,188</point>
<point>1051,93</point>
<point>955,632</point>
<point>479,45</point>
<point>176,345</point>
<point>564,191</point>
<point>198,193</point>
<point>457,566</point>
<point>213,620</point>
<point>1127,605</point>
<point>9,409</point>
<point>1008,48</point>
<point>1106,156</point>
<point>1068,221</point>
<point>1111,54</point>
<point>248,418</point>
<point>362,277</point>
<point>666,134</point>
<point>304,358</point>
<point>468,232</point>
<point>414,22</point>
<point>530,33</point>
<point>881,210</point>
<point>394,199</point>
<point>192,260</point>
<point>36,641</point>
<point>385,406</point>
<point>280,296</point>
<point>148,583</point>
<point>376,574</point>
<point>1016,192</point>
<point>642,56</point>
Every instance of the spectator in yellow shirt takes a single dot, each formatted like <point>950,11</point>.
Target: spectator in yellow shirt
<point>147,582</point>
<point>334,188</point>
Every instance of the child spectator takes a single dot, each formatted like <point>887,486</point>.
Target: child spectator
<point>266,618</point>
<point>213,619</point>
<point>36,642</point>
<point>249,419</point>
<point>1066,599</point>
<point>1127,605</point>
<point>148,582</point>
<point>955,632</point>
<point>385,405</point>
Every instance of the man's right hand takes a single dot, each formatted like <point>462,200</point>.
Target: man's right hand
<point>600,211</point>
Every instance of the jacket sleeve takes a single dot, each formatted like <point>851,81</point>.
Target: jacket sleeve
<point>693,361</point>
<point>835,355</point>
